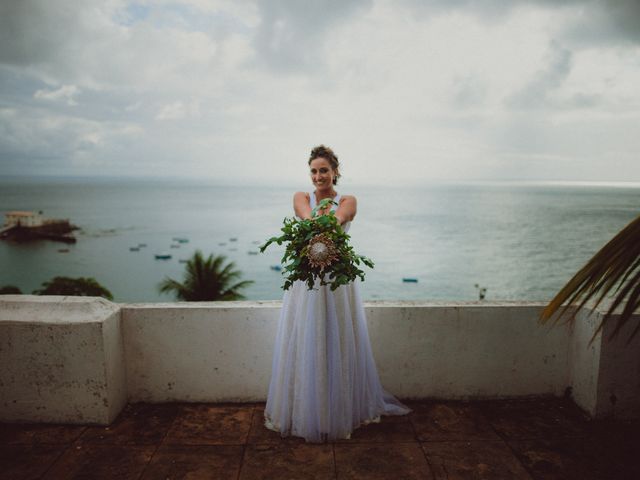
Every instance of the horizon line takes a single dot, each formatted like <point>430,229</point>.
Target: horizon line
<point>231,182</point>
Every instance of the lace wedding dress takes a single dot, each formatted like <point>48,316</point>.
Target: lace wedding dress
<point>324,381</point>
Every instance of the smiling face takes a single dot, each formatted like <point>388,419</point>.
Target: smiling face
<point>322,174</point>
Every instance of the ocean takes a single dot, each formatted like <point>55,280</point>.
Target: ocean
<point>519,241</point>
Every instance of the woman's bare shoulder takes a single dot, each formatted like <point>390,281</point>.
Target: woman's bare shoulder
<point>350,198</point>
<point>301,195</point>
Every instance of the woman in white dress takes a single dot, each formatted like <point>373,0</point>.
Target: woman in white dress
<point>324,381</point>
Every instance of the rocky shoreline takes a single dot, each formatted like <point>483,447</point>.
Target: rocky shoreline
<point>60,231</point>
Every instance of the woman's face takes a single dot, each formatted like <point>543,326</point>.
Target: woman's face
<point>322,173</point>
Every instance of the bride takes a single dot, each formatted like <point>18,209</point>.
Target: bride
<point>324,381</point>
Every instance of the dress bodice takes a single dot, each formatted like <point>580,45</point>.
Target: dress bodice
<point>313,203</point>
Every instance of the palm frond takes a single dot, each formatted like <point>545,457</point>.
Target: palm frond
<point>615,267</point>
<point>168,285</point>
<point>233,291</point>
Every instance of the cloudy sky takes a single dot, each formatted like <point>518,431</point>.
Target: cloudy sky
<point>405,91</point>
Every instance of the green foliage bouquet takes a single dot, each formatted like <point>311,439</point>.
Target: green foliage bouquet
<point>315,247</point>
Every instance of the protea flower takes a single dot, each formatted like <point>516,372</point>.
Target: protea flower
<point>322,251</point>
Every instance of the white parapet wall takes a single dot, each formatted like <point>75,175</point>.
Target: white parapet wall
<point>222,351</point>
<point>199,352</point>
<point>61,360</point>
<point>618,386</point>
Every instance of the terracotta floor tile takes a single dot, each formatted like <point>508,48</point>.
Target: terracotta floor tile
<point>101,462</point>
<point>528,419</point>
<point>618,441</point>
<point>211,424</point>
<point>449,421</point>
<point>138,424</point>
<point>391,429</point>
<point>288,461</point>
<point>195,462</point>
<point>578,458</point>
<point>372,461</point>
<point>30,433</point>
<point>544,438</point>
<point>477,459</point>
<point>260,434</point>
<point>18,462</point>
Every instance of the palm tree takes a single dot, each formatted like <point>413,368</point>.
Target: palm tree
<point>206,280</point>
<point>616,266</point>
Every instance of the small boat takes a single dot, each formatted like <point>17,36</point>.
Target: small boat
<point>63,250</point>
<point>233,239</point>
<point>134,249</point>
<point>140,245</point>
<point>175,245</point>
<point>163,256</point>
<point>222,244</point>
<point>180,239</point>
<point>251,252</point>
<point>410,280</point>
<point>277,268</point>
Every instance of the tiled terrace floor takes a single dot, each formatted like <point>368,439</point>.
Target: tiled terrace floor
<point>539,439</point>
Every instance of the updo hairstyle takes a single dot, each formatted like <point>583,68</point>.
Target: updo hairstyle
<point>325,152</point>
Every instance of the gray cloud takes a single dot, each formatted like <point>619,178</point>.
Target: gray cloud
<point>207,89</point>
<point>291,33</point>
<point>593,22</point>
<point>33,32</point>
<point>468,91</point>
<point>536,94</point>
<point>608,22</point>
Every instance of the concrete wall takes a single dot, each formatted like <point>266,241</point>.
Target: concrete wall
<point>466,350</point>
<point>213,351</point>
<point>221,351</point>
<point>60,359</point>
<point>618,388</point>
<point>584,361</point>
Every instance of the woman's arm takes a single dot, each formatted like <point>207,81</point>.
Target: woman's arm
<point>301,205</point>
<point>347,209</point>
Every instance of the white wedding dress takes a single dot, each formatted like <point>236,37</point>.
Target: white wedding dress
<point>324,381</point>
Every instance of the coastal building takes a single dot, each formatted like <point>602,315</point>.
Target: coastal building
<point>23,219</point>
<point>25,226</point>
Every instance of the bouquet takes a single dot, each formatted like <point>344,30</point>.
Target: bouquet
<point>315,247</point>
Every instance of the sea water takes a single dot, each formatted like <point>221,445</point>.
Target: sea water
<point>519,241</point>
